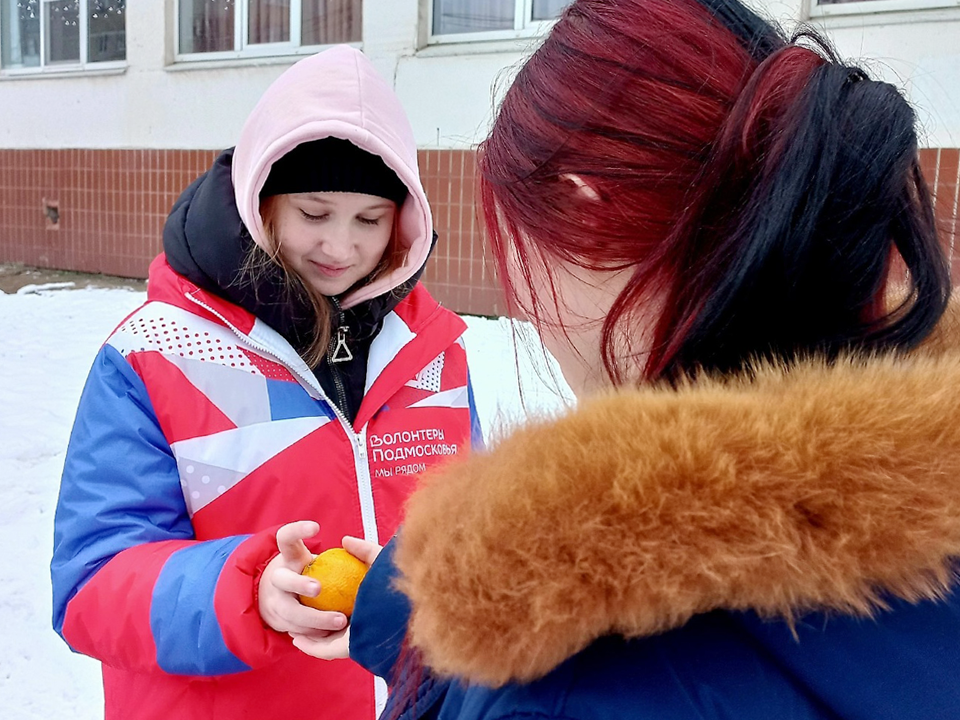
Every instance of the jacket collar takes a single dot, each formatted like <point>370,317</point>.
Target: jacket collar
<point>429,330</point>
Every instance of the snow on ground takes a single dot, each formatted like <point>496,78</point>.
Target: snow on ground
<point>50,339</point>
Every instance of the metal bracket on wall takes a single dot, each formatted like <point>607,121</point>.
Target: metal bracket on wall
<point>51,211</point>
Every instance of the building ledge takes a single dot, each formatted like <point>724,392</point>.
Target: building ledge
<point>64,72</point>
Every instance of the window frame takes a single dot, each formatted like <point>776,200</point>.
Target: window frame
<point>81,66</point>
<point>253,51</point>
<point>522,28</point>
<point>871,7</point>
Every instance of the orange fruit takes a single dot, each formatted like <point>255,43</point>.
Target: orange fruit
<point>339,574</point>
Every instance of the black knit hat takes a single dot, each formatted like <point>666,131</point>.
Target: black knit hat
<point>333,165</point>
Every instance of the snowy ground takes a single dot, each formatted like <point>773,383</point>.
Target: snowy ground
<point>49,340</point>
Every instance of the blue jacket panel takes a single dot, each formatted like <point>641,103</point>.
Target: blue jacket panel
<point>125,478</point>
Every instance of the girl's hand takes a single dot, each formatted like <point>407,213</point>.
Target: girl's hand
<point>281,582</point>
<point>336,645</point>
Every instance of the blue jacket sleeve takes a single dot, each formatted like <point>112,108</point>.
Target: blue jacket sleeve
<point>378,626</point>
<point>476,429</point>
<point>378,630</point>
<point>120,485</point>
<point>131,584</point>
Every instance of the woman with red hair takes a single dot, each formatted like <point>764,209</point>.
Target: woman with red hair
<point>754,512</point>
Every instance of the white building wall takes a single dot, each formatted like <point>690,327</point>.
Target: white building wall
<point>917,50</point>
<point>920,53</point>
<point>449,91</point>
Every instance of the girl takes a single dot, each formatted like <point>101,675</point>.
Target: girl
<point>757,512</point>
<point>286,365</point>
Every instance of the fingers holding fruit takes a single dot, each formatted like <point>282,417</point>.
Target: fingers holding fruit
<point>338,574</point>
<point>281,585</point>
<point>281,609</point>
<point>312,597</point>
<point>363,549</point>
<point>290,542</point>
<point>304,615</point>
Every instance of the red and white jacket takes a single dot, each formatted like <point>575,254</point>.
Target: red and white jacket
<point>199,432</point>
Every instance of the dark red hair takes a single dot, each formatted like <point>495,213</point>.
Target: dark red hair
<point>756,189</point>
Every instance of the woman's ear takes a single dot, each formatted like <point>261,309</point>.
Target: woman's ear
<point>582,187</point>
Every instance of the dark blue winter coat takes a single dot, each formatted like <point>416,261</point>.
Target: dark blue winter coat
<point>779,547</point>
<point>901,665</point>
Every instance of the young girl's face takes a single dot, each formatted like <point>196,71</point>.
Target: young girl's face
<point>333,239</point>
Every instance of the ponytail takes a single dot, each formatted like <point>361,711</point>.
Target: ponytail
<point>812,189</point>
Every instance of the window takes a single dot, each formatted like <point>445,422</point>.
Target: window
<point>61,34</point>
<point>491,18</point>
<point>236,28</point>
<point>849,7</point>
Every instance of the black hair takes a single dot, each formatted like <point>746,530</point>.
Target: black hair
<point>798,235</point>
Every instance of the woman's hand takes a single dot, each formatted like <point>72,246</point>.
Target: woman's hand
<point>332,646</point>
<point>281,583</point>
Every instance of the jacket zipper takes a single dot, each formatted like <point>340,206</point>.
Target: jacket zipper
<point>337,352</point>
<point>357,440</point>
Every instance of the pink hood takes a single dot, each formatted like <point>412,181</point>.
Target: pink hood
<point>335,93</point>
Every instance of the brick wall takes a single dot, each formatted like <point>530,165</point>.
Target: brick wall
<point>460,273</point>
<point>941,167</point>
<point>111,205</point>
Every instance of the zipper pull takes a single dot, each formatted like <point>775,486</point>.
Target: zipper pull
<point>341,352</point>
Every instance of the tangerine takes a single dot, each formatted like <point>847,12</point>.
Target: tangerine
<point>339,574</point>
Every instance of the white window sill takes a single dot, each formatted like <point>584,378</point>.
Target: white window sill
<point>521,45</point>
<point>486,42</point>
<point>64,71</point>
<point>216,60</point>
<point>890,10</point>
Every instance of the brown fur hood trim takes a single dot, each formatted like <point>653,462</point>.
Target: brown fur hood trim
<point>815,488</point>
